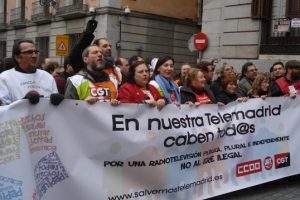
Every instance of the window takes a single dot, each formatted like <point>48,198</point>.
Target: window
<point>200,11</point>
<point>3,11</point>
<point>42,44</point>
<point>2,49</point>
<point>278,37</point>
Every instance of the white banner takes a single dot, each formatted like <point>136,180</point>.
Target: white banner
<point>78,151</point>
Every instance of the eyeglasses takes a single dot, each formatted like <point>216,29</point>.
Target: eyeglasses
<point>29,52</point>
<point>253,70</point>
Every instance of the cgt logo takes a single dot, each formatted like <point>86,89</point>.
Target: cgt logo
<point>250,167</point>
<point>282,160</point>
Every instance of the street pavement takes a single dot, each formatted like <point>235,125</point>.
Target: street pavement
<point>284,189</point>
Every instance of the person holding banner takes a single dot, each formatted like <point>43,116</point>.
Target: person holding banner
<point>195,90</point>
<point>289,85</point>
<point>261,86</point>
<point>25,80</point>
<point>92,84</point>
<point>277,71</point>
<point>163,82</point>
<point>138,89</point>
<point>229,90</point>
<point>223,71</point>
<point>249,73</point>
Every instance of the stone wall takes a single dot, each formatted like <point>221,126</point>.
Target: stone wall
<point>233,36</point>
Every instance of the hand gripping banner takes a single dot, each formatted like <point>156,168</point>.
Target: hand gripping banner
<point>79,151</point>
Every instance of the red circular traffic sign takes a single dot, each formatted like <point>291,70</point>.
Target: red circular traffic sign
<point>201,41</point>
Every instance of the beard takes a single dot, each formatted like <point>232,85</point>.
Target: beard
<point>96,67</point>
<point>107,53</point>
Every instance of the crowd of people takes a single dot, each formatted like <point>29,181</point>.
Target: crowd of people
<point>91,74</point>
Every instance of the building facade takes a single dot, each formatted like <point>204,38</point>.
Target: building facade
<point>151,28</point>
<point>262,31</point>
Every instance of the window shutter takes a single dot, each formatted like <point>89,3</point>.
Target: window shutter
<point>2,49</point>
<point>23,9</point>
<point>261,9</point>
<point>293,9</point>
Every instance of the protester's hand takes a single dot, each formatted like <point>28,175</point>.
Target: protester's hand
<point>189,103</point>
<point>201,103</point>
<point>197,104</point>
<point>56,99</point>
<point>242,99</point>
<point>91,100</point>
<point>151,102</point>
<point>160,103</point>
<point>177,104</point>
<point>293,96</point>
<point>33,97</point>
<point>263,97</point>
<point>220,104</point>
<point>114,102</point>
<point>91,26</point>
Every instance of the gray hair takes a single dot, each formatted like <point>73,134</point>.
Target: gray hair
<point>86,51</point>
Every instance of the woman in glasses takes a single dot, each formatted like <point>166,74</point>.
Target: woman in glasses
<point>138,89</point>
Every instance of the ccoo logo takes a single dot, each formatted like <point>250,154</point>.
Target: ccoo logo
<point>250,167</point>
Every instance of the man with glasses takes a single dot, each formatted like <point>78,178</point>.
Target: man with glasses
<point>249,73</point>
<point>92,83</point>
<point>25,80</point>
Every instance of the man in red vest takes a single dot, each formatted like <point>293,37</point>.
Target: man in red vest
<point>289,85</point>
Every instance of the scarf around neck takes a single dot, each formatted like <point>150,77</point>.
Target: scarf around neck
<point>167,86</point>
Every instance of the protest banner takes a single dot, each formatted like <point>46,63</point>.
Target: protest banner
<point>79,151</point>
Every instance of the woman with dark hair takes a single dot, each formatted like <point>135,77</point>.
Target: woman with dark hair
<point>261,86</point>
<point>138,89</point>
<point>229,90</point>
<point>162,80</point>
<point>195,90</point>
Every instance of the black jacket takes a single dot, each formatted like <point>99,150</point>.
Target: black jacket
<point>216,86</point>
<point>225,97</point>
<point>187,94</point>
<point>75,55</point>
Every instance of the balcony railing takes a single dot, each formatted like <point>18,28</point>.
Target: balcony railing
<point>17,17</point>
<point>69,9</point>
<point>278,37</point>
<point>40,14</point>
